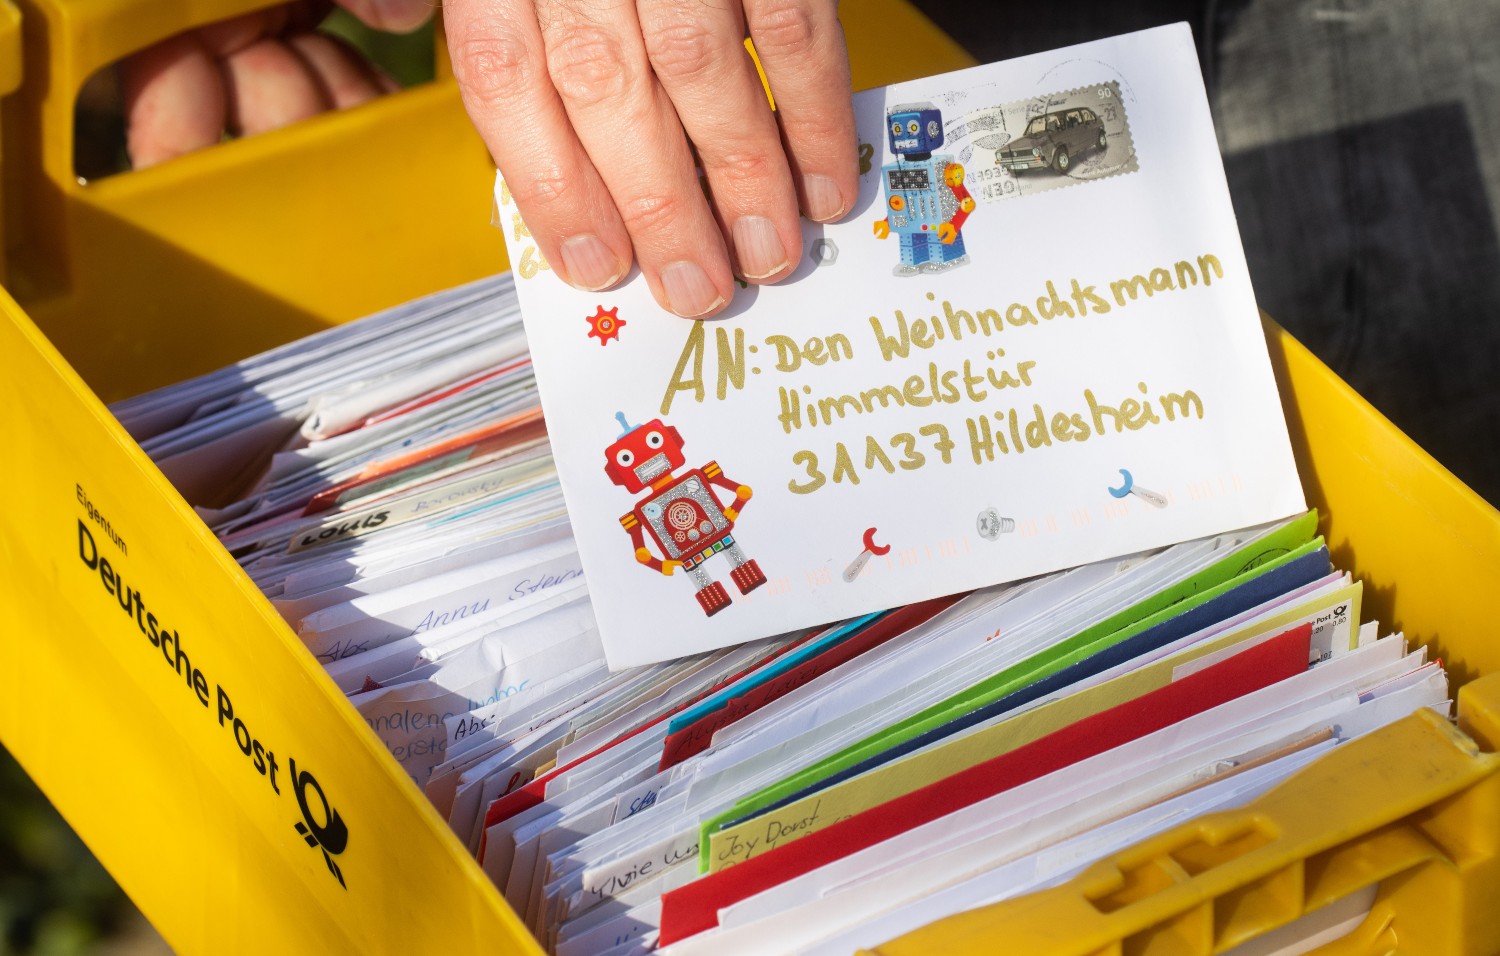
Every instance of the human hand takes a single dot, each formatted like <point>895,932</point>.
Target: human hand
<point>589,108</point>
<point>249,74</point>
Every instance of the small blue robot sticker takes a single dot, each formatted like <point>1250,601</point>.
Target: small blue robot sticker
<point>926,200</point>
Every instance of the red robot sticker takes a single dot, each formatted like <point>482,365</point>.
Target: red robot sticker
<point>682,513</point>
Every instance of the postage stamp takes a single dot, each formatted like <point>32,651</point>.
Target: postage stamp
<point>1044,142</point>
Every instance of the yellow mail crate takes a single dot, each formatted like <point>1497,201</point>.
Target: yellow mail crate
<point>204,756</point>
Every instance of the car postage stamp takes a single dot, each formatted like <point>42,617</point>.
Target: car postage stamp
<point>1044,142</point>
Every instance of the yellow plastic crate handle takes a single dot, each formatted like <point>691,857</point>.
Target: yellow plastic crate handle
<point>1416,794</point>
<point>83,38</point>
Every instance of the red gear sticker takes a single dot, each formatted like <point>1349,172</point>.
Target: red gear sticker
<point>605,325</point>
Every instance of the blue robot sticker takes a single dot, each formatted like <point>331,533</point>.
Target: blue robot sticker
<point>926,200</point>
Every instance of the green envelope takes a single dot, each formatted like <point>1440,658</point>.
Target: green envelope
<point>1287,543</point>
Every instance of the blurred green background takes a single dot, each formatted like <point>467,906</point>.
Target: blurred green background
<point>55,898</point>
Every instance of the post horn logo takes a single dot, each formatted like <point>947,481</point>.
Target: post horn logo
<point>330,836</point>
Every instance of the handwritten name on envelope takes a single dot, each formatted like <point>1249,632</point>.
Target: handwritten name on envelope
<point>1031,344</point>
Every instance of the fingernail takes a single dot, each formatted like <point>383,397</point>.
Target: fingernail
<point>689,291</point>
<point>591,265</point>
<point>759,247</point>
<point>401,16</point>
<point>824,201</point>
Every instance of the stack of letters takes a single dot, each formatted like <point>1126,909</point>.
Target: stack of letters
<point>855,617</point>
<point>816,791</point>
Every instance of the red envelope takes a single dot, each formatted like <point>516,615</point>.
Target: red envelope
<point>693,908</point>
<point>695,738</point>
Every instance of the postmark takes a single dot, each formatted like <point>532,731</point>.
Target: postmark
<point>1044,142</point>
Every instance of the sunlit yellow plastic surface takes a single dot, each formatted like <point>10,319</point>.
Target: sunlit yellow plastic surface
<point>153,276</point>
<point>147,277</point>
<point>1413,805</point>
<point>99,560</point>
<point>1427,547</point>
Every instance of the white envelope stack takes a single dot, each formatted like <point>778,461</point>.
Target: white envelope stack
<point>389,485</point>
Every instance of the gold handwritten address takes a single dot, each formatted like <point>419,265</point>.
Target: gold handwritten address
<point>1013,429</point>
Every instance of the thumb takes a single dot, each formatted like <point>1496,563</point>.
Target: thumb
<point>391,16</point>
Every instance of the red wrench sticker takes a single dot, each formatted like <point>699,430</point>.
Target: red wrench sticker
<point>871,549</point>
